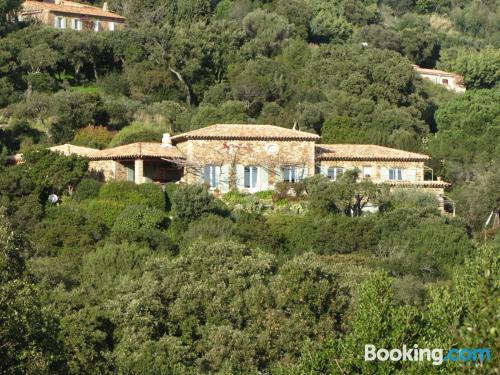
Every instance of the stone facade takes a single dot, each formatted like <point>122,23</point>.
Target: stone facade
<point>104,170</point>
<point>231,156</point>
<point>71,15</point>
<point>87,22</point>
<point>415,169</point>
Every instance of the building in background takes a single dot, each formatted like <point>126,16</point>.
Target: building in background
<point>451,81</point>
<point>63,14</point>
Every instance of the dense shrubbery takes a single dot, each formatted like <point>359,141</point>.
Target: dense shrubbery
<point>120,278</point>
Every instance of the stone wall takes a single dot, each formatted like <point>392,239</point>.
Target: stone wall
<point>102,169</point>
<point>267,154</point>
<point>376,167</point>
<point>48,18</point>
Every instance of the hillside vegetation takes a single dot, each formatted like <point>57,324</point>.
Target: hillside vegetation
<point>131,279</point>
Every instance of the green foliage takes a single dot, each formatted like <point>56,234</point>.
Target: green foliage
<point>68,227</point>
<point>207,228</point>
<point>345,195</point>
<point>72,111</point>
<point>468,133</point>
<point>128,193</point>
<point>88,188</point>
<point>192,201</point>
<point>106,280</point>
<point>28,331</point>
<point>136,133</point>
<point>93,136</point>
<point>143,225</point>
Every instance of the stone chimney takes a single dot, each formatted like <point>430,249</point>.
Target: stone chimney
<point>58,2</point>
<point>439,178</point>
<point>166,141</point>
<point>105,7</point>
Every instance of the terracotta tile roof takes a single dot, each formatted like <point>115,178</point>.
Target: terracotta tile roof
<point>68,149</point>
<point>427,184</point>
<point>365,152</point>
<point>70,7</point>
<point>138,150</point>
<point>247,132</point>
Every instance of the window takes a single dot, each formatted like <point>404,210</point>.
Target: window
<point>445,81</point>
<point>250,177</point>
<point>367,172</point>
<point>334,172</point>
<point>60,22</point>
<point>211,175</point>
<point>290,174</point>
<point>395,174</point>
<point>76,24</point>
<point>97,25</point>
<point>111,26</point>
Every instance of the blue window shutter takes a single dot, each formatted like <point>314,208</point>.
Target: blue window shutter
<point>206,174</point>
<point>246,176</point>
<point>240,177</point>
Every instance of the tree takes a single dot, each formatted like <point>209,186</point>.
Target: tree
<point>480,69</point>
<point>344,196</point>
<point>28,332</point>
<point>266,31</point>
<point>8,11</point>
<point>93,136</point>
<point>468,133</point>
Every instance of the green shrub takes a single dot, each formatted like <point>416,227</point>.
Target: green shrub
<point>267,195</point>
<point>87,188</point>
<point>207,228</point>
<point>129,193</point>
<point>142,224</point>
<point>102,266</point>
<point>93,136</point>
<point>170,189</point>
<point>192,201</point>
<point>136,133</point>
<point>121,191</point>
<point>154,195</point>
<point>104,210</point>
<point>68,226</point>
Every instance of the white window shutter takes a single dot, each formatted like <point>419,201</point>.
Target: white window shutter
<point>63,23</point>
<point>263,179</point>
<point>384,173</point>
<point>324,171</point>
<point>305,172</point>
<point>240,176</point>
<point>410,174</point>
<point>224,179</point>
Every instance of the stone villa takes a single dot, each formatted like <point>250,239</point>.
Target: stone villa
<point>451,81</point>
<point>63,14</point>
<point>252,158</point>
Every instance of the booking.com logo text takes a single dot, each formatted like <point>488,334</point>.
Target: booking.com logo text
<point>416,354</point>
